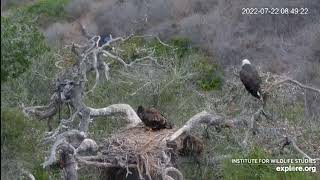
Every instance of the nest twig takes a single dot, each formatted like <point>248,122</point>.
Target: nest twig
<point>135,148</point>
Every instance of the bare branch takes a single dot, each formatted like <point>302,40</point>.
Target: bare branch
<point>251,127</point>
<point>84,31</point>
<point>68,162</point>
<point>57,64</point>
<point>292,141</point>
<point>95,66</point>
<point>87,145</point>
<point>132,117</point>
<point>42,112</point>
<point>52,157</point>
<point>30,176</point>
<point>172,169</point>
<point>157,39</point>
<point>72,136</point>
<point>51,136</point>
<point>203,118</point>
<point>135,92</point>
<point>108,54</point>
<point>293,82</point>
<point>100,164</point>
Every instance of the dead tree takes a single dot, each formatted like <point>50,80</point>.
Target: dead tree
<point>70,91</point>
<point>149,157</point>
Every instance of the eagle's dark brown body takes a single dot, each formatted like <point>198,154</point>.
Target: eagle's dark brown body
<point>250,79</point>
<point>152,118</point>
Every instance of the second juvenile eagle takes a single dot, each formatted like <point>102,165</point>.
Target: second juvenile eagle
<point>153,119</point>
<point>250,79</point>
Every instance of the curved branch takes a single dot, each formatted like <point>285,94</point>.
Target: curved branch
<point>27,173</point>
<point>42,112</point>
<point>52,156</point>
<point>69,137</point>
<point>132,117</point>
<point>172,169</point>
<point>121,61</point>
<point>204,118</point>
<point>95,67</point>
<point>87,145</point>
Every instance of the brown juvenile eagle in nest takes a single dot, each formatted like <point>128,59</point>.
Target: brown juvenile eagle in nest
<point>153,119</point>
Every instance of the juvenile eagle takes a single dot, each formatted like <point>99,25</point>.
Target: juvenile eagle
<point>250,79</point>
<point>152,118</point>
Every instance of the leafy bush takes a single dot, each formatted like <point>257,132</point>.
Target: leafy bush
<point>211,76</point>
<point>19,143</point>
<point>130,48</point>
<point>49,8</point>
<point>183,46</point>
<point>20,42</point>
<point>180,47</point>
<point>294,113</point>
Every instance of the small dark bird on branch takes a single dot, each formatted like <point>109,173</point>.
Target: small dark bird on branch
<point>104,39</point>
<point>153,119</point>
<point>250,78</point>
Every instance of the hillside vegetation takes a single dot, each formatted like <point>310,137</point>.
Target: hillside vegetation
<point>187,79</point>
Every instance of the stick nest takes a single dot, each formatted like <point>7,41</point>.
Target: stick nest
<point>139,148</point>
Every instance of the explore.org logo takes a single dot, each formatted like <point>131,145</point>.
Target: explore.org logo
<point>296,168</point>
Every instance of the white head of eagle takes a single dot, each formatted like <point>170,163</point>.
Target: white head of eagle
<point>245,61</point>
<point>250,78</point>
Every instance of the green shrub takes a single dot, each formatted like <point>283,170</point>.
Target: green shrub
<point>20,142</point>
<point>160,50</point>
<point>211,76</point>
<point>294,113</point>
<point>20,43</point>
<point>130,48</point>
<point>183,46</point>
<point>49,8</point>
<point>180,47</point>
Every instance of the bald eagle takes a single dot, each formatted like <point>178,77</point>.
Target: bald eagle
<point>153,119</point>
<point>250,79</point>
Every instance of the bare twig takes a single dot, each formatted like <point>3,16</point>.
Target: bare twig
<point>292,141</point>
<point>203,118</point>
<point>251,127</point>
<point>99,164</point>
<point>293,82</point>
<point>95,66</point>
<point>121,61</point>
